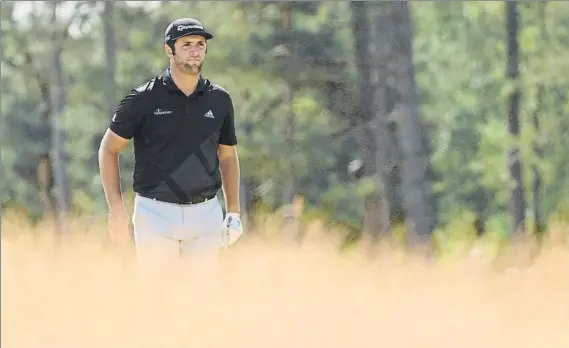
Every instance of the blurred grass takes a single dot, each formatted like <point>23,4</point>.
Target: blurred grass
<point>281,289</point>
<point>456,241</point>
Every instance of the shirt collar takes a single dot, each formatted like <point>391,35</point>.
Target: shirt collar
<point>171,86</point>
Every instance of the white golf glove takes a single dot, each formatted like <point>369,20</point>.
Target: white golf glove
<point>231,230</point>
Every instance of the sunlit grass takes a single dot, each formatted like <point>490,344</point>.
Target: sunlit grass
<point>279,288</point>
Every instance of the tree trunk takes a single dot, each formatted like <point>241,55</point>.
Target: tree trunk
<point>383,103</point>
<point>411,133</point>
<point>289,187</point>
<point>247,190</point>
<point>372,131</point>
<point>394,185</point>
<point>537,149</point>
<point>517,199</point>
<point>538,153</point>
<point>110,92</point>
<point>111,55</point>
<point>291,217</point>
<point>44,168</point>
<point>58,106</point>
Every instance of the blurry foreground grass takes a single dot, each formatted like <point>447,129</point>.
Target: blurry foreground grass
<point>271,291</point>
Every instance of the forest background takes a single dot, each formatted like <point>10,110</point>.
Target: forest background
<point>422,119</point>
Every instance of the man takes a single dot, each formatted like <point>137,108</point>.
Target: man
<point>185,151</point>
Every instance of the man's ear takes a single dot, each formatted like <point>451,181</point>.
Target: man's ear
<point>168,50</point>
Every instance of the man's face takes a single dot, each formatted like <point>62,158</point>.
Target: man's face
<point>190,54</point>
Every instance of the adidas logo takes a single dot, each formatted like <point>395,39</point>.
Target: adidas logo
<point>209,114</point>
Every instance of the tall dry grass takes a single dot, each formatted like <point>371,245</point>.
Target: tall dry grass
<point>271,292</point>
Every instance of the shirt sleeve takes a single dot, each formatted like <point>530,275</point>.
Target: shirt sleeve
<point>128,116</point>
<point>227,135</point>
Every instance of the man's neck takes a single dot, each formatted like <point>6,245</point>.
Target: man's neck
<point>186,83</point>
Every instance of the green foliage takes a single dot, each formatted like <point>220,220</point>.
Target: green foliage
<point>459,52</point>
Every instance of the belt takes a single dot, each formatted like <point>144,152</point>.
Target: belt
<point>196,200</point>
<point>185,198</point>
<point>192,200</point>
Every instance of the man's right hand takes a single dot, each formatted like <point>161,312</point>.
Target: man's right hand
<point>119,226</point>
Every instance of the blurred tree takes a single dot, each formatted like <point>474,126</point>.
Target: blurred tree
<point>458,58</point>
<point>517,196</point>
<point>303,61</point>
<point>108,19</point>
<point>110,95</point>
<point>369,115</point>
<point>416,186</point>
<point>447,40</point>
<point>57,101</point>
<point>382,85</point>
<point>289,188</point>
<point>539,109</point>
<point>35,157</point>
<point>42,165</point>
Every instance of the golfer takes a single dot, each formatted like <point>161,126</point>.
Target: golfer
<point>182,126</point>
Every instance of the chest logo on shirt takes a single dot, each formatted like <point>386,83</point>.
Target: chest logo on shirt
<point>162,112</point>
<point>209,114</point>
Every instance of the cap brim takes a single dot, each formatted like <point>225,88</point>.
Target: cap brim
<point>205,34</point>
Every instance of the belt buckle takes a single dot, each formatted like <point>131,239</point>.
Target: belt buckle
<point>197,200</point>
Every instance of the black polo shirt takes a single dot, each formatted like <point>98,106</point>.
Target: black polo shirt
<point>176,137</point>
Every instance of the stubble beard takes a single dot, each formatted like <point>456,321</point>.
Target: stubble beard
<point>190,68</point>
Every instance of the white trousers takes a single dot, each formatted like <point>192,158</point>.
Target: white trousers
<point>169,235</point>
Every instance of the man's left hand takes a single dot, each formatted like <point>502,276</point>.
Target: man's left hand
<point>232,229</point>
